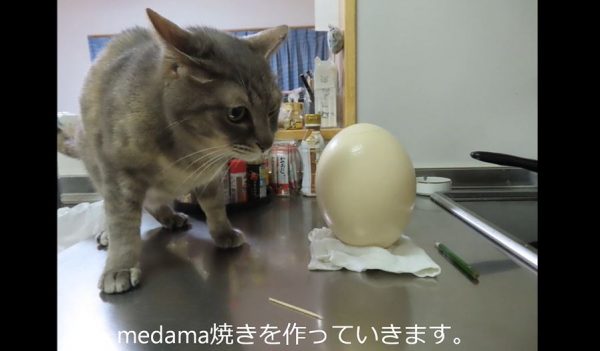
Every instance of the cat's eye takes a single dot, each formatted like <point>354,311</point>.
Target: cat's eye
<point>238,113</point>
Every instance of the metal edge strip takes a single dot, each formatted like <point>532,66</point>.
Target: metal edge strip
<point>496,235</point>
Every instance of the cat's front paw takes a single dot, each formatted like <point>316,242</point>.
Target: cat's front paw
<point>229,239</point>
<point>102,239</point>
<point>114,281</point>
<point>176,221</point>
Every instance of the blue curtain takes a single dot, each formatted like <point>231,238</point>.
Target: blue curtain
<point>96,44</point>
<point>295,56</point>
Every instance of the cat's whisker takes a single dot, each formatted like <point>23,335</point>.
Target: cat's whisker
<point>246,152</point>
<point>226,170</point>
<point>172,124</point>
<point>192,154</point>
<point>199,168</point>
<point>217,171</point>
<point>198,172</point>
<point>197,152</point>
<point>208,165</point>
<point>225,157</point>
<point>239,147</point>
<point>203,157</point>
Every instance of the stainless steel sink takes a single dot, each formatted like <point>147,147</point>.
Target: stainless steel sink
<point>508,216</point>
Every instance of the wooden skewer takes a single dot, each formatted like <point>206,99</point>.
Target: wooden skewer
<point>295,308</point>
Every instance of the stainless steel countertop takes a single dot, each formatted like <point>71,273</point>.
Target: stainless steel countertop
<point>188,285</point>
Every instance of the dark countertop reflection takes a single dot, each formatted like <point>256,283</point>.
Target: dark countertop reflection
<point>189,285</point>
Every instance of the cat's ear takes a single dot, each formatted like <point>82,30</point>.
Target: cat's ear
<point>267,41</point>
<point>176,38</point>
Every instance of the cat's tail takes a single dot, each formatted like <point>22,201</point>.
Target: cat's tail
<point>65,143</point>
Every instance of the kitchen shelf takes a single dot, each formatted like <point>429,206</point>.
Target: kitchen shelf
<point>346,62</point>
<point>299,134</point>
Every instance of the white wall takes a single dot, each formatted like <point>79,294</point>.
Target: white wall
<point>448,77</point>
<point>79,18</point>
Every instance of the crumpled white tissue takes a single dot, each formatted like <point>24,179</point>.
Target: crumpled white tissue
<point>78,223</point>
<point>329,253</point>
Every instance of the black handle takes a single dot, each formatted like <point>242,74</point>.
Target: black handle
<point>505,160</point>
<point>308,88</point>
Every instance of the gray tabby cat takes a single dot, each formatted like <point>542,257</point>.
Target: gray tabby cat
<point>161,116</point>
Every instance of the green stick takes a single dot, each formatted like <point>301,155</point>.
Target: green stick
<point>457,261</point>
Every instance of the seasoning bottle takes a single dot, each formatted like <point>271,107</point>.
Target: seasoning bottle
<point>264,178</point>
<point>256,181</point>
<point>310,151</point>
<point>296,115</point>
<point>237,180</point>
